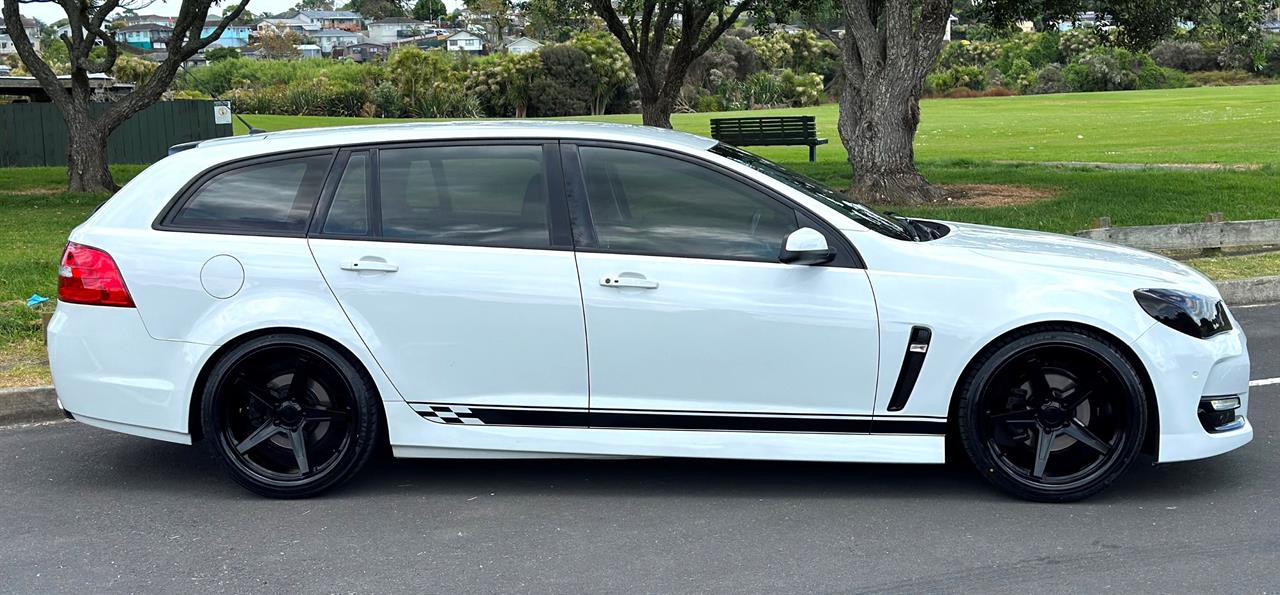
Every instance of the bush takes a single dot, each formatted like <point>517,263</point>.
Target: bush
<point>1224,78</point>
<point>1075,42</point>
<point>1050,79</point>
<point>386,100</point>
<point>801,90</point>
<point>763,89</point>
<point>967,77</point>
<point>708,103</point>
<point>564,87</point>
<point>1187,56</point>
<point>1099,71</point>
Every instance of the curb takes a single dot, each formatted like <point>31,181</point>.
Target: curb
<point>1250,292</point>
<point>26,405</point>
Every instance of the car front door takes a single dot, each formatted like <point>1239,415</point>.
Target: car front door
<point>692,320</point>
<point>454,263</point>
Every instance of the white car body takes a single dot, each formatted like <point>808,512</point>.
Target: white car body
<point>756,345</point>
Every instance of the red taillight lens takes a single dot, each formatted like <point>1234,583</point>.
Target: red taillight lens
<point>90,276</point>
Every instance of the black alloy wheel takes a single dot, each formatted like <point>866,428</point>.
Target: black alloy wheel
<point>289,417</point>
<point>1053,416</point>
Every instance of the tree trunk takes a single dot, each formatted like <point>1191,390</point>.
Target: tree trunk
<point>656,110</point>
<point>878,122</point>
<point>87,160</point>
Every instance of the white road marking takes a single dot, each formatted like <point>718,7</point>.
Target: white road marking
<point>1264,382</point>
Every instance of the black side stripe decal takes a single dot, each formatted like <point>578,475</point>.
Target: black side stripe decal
<point>568,418</point>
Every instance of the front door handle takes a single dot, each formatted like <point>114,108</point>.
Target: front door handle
<point>634,280</point>
<point>369,264</point>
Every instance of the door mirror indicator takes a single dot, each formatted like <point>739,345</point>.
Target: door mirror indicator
<point>806,246</point>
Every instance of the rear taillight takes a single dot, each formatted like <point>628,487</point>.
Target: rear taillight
<point>90,276</point>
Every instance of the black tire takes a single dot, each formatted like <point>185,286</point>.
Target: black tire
<point>270,395</point>
<point>1052,415</point>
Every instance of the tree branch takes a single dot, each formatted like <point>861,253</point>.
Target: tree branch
<point>35,65</point>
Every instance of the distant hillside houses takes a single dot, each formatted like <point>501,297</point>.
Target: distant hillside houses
<point>32,29</point>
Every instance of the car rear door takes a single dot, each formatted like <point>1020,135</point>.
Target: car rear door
<point>454,263</point>
<point>692,321</point>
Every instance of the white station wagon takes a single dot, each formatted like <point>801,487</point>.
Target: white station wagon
<point>538,289</point>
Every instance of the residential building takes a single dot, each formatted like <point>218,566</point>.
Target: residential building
<point>328,39</point>
<point>145,36</point>
<point>129,20</point>
<point>234,36</point>
<point>464,41</point>
<point>333,19</point>
<point>283,24</point>
<point>389,30</point>
<point>362,52</point>
<point>32,28</point>
<point>523,45</point>
<point>308,50</point>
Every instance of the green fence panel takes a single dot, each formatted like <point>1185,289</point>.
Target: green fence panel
<point>33,134</point>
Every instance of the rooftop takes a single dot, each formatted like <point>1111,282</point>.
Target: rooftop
<point>330,14</point>
<point>334,33</point>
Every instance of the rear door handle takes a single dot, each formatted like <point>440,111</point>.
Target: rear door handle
<point>633,280</point>
<point>369,264</point>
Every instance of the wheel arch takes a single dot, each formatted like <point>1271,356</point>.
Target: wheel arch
<point>1151,443</point>
<point>194,427</point>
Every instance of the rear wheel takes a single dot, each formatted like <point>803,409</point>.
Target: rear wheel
<point>289,417</point>
<point>1053,416</point>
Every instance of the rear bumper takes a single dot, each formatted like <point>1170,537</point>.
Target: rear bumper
<point>110,373</point>
<point>1183,370</point>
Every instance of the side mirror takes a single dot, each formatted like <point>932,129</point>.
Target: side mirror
<point>806,246</point>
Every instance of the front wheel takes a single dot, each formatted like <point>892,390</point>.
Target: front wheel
<point>1053,416</point>
<point>288,416</point>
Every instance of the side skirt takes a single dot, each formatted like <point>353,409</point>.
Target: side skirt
<point>469,436</point>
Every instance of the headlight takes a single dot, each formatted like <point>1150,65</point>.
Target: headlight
<point>1195,315</point>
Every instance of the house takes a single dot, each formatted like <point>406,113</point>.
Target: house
<point>362,52</point>
<point>328,39</point>
<point>145,36</point>
<point>32,28</point>
<point>333,19</point>
<point>388,30</point>
<point>523,45</point>
<point>308,50</point>
<point>129,20</point>
<point>283,24</point>
<point>464,41</point>
<point>234,36</point>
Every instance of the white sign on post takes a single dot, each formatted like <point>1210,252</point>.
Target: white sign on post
<point>222,112</point>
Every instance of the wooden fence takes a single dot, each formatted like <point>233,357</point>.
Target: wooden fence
<point>1213,234</point>
<point>33,134</point>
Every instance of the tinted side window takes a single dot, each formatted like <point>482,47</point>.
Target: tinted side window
<point>470,195</point>
<point>651,204</point>
<point>272,197</point>
<point>349,211</point>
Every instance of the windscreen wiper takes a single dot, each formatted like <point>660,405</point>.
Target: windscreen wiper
<point>907,224</point>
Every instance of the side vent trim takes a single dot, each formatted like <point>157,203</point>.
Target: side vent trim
<point>912,361</point>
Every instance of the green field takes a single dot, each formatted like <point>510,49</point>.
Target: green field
<point>959,143</point>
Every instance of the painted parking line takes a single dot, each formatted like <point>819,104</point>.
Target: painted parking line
<point>1264,382</point>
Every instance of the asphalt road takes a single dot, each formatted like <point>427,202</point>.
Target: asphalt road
<point>86,510</point>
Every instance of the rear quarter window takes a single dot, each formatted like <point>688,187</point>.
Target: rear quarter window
<point>272,197</point>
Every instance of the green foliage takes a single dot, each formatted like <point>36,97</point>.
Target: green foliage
<point>958,77</point>
<point>130,69</point>
<point>1116,69</point>
<point>1050,79</point>
<point>773,49</point>
<point>431,84</point>
<point>504,82</point>
<point>1077,41</point>
<point>428,10</point>
<point>565,87</point>
<point>1187,56</point>
<point>217,54</point>
<point>800,90</point>
<point>610,67</point>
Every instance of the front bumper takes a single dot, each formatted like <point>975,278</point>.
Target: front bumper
<point>1184,370</point>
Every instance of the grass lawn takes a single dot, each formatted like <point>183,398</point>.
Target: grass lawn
<point>958,142</point>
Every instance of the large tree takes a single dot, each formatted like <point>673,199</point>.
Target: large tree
<point>662,38</point>
<point>887,48</point>
<point>87,133</point>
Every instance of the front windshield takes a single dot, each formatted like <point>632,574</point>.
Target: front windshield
<point>818,191</point>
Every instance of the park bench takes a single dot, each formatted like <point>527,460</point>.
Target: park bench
<point>768,131</point>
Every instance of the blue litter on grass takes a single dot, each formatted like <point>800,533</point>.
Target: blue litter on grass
<point>35,300</point>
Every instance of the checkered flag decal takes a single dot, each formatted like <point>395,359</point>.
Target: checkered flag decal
<point>445,414</point>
